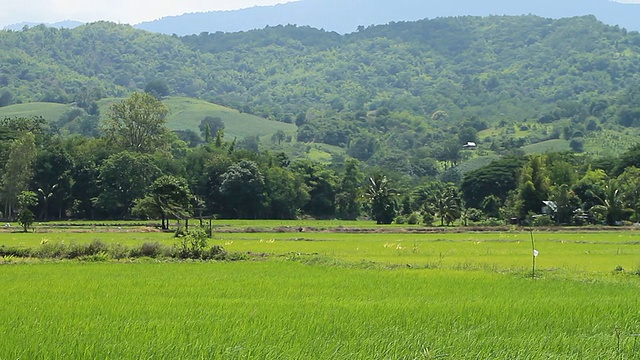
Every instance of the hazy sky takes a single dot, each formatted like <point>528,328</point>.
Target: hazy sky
<point>123,11</point>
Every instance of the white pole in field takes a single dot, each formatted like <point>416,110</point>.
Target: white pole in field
<point>535,254</point>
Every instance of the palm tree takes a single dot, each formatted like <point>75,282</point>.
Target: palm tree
<point>448,206</point>
<point>381,198</point>
<point>46,195</point>
<point>611,206</point>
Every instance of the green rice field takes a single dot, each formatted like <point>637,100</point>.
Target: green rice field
<point>330,295</point>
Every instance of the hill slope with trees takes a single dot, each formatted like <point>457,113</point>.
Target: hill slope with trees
<point>403,95</point>
<point>395,104</point>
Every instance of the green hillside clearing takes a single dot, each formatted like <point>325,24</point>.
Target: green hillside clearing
<point>186,113</point>
<point>549,146</point>
<point>49,111</point>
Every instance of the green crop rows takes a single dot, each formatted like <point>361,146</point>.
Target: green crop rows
<point>329,295</point>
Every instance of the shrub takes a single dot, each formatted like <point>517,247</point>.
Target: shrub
<point>51,250</point>
<point>474,214</point>
<point>81,250</point>
<point>76,251</point>
<point>193,245</point>
<point>216,252</point>
<point>119,251</point>
<point>15,252</point>
<point>239,257</point>
<point>151,250</point>
<point>413,218</point>
<point>96,247</point>
<point>543,220</point>
<point>428,218</point>
<point>26,219</point>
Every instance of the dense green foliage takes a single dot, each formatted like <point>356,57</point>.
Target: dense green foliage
<point>382,90</point>
<point>399,100</point>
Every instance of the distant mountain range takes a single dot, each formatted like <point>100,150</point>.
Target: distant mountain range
<point>345,16</point>
<point>67,24</point>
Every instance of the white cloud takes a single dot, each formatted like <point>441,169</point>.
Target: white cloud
<point>123,11</point>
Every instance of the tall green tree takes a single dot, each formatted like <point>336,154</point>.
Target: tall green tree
<point>285,192</point>
<point>566,203</point>
<point>123,178</point>
<point>350,192</point>
<point>138,123</point>
<point>26,199</point>
<point>611,207</point>
<point>209,127</point>
<point>533,186</point>
<point>447,205</point>
<point>322,184</point>
<point>497,178</point>
<point>169,196</point>
<point>18,170</point>
<point>242,191</point>
<point>52,179</point>
<point>381,198</point>
<point>629,182</point>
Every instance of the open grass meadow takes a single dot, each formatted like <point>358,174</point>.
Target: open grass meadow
<point>49,111</point>
<point>329,294</point>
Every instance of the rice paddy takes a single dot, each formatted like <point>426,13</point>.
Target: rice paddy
<point>331,295</point>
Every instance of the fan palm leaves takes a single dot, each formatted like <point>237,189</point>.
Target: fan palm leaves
<point>447,206</point>
<point>612,206</point>
<point>381,198</point>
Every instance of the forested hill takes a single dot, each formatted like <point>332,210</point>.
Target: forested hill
<point>465,66</point>
<point>399,86</point>
<point>345,16</point>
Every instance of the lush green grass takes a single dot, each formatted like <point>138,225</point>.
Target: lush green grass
<point>125,238</point>
<point>49,111</point>
<point>288,310</point>
<point>560,252</point>
<point>331,295</point>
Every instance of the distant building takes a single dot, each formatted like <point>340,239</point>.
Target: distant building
<point>549,208</point>
<point>470,145</point>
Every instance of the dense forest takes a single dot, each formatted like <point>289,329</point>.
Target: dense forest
<point>140,169</point>
<point>398,100</point>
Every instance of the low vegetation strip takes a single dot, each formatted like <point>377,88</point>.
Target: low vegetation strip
<point>595,252</point>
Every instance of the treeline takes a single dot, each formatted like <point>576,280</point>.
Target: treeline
<point>139,169</point>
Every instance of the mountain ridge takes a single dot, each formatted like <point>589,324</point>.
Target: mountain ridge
<point>65,24</point>
<point>346,17</point>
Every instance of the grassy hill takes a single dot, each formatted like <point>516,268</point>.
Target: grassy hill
<point>549,146</point>
<point>49,111</point>
<point>186,113</point>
